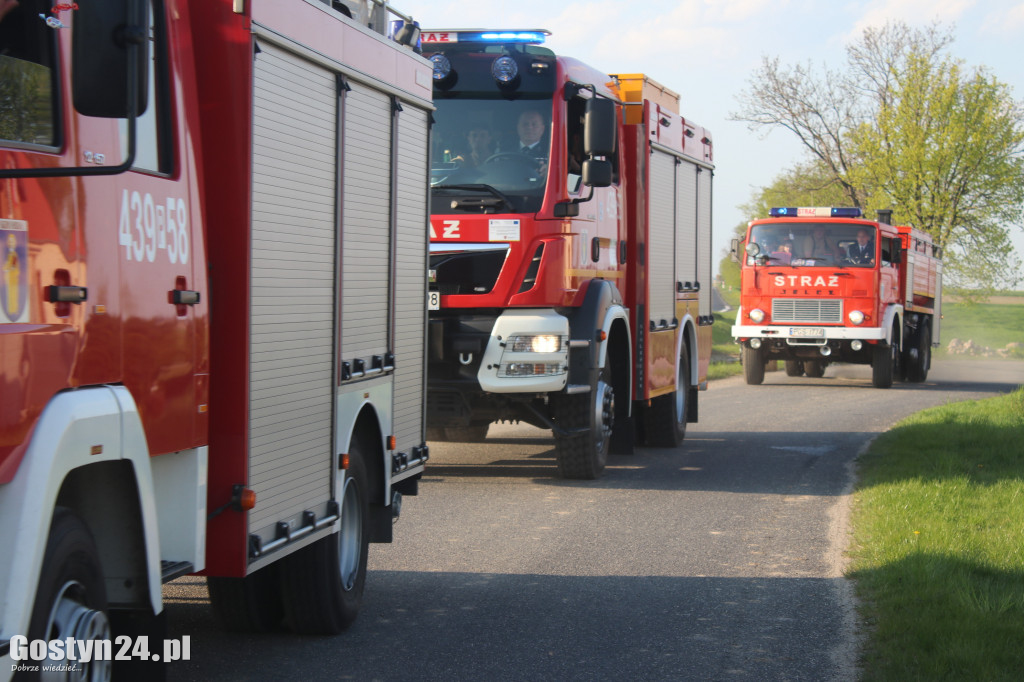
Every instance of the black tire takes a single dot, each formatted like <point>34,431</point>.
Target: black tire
<point>71,598</point>
<point>474,433</point>
<point>665,419</point>
<point>753,365</point>
<point>883,364</point>
<point>917,368</point>
<point>322,584</point>
<point>794,368</point>
<point>249,604</point>
<point>814,368</point>
<point>591,416</point>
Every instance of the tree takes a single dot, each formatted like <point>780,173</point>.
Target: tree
<point>909,127</point>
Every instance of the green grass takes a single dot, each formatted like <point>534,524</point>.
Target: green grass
<point>938,544</point>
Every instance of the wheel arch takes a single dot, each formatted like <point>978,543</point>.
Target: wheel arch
<point>88,452</point>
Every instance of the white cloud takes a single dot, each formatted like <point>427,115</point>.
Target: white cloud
<point>913,12</point>
<point>1005,22</point>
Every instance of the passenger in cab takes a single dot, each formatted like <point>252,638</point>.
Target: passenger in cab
<point>819,245</point>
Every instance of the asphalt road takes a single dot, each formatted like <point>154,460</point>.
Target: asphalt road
<point>719,561</point>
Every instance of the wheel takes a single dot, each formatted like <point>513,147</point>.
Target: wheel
<point>814,368</point>
<point>917,368</point>
<point>883,364</point>
<point>474,433</point>
<point>249,604</point>
<point>322,584</point>
<point>590,417</point>
<point>71,599</point>
<point>794,368</point>
<point>665,419</point>
<point>753,365</point>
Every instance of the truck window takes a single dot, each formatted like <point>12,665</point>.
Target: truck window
<point>28,95</point>
<point>502,144</point>
<point>152,151</point>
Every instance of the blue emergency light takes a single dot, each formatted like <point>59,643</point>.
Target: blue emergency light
<point>815,212</point>
<point>525,37</point>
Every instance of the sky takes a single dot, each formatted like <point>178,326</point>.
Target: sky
<point>706,50</point>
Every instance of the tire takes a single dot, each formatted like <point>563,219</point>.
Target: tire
<point>71,598</point>
<point>814,368</point>
<point>584,454</point>
<point>794,368</point>
<point>917,368</point>
<point>665,419</point>
<point>883,364</point>
<point>474,433</point>
<point>753,365</point>
<point>250,604</point>
<point>322,584</point>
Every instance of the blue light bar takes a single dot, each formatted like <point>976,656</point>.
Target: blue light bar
<point>526,37</point>
<point>815,212</point>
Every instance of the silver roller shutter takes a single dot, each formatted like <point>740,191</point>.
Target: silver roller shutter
<point>661,246</point>
<point>292,284</point>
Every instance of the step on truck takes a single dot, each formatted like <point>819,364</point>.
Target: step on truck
<point>214,224</point>
<point>824,284</point>
<point>570,250</point>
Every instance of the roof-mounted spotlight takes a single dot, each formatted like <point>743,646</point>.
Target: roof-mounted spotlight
<point>444,76</point>
<point>505,71</point>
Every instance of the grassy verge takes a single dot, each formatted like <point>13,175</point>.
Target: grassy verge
<point>938,553</point>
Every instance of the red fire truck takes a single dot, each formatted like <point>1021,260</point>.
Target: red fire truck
<point>212,331</point>
<point>823,285</point>
<point>570,250</point>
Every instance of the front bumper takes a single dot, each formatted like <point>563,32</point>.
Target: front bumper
<point>786,331</point>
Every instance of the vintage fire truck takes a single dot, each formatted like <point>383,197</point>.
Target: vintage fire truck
<point>214,225</point>
<point>570,255</point>
<point>822,285</point>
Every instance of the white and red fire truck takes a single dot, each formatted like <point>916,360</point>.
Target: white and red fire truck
<point>212,332</point>
<point>822,285</point>
<point>570,250</point>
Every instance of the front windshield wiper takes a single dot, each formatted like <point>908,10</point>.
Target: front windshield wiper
<point>478,203</point>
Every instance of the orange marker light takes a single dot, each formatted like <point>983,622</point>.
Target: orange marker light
<point>344,461</point>
<point>247,499</point>
<point>392,442</point>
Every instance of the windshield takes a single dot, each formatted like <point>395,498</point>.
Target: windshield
<point>490,154</point>
<point>807,244</point>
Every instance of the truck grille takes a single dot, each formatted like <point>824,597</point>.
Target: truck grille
<point>807,310</point>
<point>466,268</point>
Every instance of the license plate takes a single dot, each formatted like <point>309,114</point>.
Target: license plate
<point>433,300</point>
<point>807,331</point>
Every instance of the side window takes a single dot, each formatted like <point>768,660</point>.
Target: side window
<point>28,92</point>
<point>153,136</point>
<point>887,251</point>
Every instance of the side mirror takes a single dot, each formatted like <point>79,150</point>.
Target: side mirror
<point>599,127</point>
<point>110,57</point>
<point>597,173</point>
<point>734,249</point>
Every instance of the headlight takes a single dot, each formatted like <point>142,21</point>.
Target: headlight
<point>757,315</point>
<point>856,316</point>
<point>539,343</point>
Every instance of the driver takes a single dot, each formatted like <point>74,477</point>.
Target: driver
<point>531,129</point>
